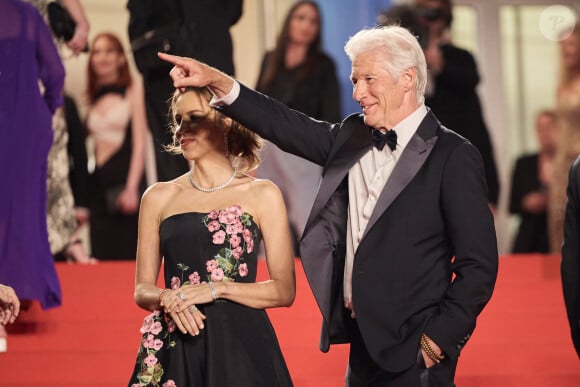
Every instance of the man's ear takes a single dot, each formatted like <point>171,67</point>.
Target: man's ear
<point>408,78</point>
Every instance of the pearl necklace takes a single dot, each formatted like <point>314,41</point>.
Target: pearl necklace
<point>212,189</point>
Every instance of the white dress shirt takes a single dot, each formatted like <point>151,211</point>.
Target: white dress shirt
<point>366,180</point>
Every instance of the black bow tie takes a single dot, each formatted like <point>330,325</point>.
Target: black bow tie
<point>380,139</point>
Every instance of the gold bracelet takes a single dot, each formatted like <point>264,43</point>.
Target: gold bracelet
<point>213,292</point>
<point>429,351</point>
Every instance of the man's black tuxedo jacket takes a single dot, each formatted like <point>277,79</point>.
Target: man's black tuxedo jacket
<point>570,267</point>
<point>428,259</point>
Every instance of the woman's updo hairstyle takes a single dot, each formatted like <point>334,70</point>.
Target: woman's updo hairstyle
<point>243,144</point>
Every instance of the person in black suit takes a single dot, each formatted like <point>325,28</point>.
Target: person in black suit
<point>529,188</point>
<point>570,267</point>
<point>208,39</point>
<point>452,87</point>
<point>77,152</point>
<point>399,248</point>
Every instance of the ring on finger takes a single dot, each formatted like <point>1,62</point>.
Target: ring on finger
<point>192,308</point>
<point>181,296</point>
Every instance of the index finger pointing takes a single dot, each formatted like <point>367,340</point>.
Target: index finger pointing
<point>173,59</point>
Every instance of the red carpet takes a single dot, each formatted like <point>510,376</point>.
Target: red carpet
<point>91,340</point>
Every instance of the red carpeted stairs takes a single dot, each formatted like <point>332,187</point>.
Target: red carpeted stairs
<point>522,337</point>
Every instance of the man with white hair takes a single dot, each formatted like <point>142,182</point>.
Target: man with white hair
<point>400,248</point>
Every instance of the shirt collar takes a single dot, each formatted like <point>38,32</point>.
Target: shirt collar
<point>407,128</point>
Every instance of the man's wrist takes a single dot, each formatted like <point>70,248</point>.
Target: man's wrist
<point>227,99</point>
<point>433,354</point>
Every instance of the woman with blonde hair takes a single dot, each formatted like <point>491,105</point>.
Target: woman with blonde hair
<point>208,325</point>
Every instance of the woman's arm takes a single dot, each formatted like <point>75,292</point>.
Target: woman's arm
<point>79,40</point>
<point>147,295</point>
<point>50,68</point>
<point>148,260</point>
<point>280,289</point>
<point>129,198</point>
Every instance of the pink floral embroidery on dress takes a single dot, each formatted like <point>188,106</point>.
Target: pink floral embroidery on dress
<point>229,227</point>
<point>154,338</point>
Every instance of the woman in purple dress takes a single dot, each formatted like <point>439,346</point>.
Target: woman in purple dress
<point>27,55</point>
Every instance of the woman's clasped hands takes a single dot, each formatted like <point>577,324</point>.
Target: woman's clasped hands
<point>181,305</point>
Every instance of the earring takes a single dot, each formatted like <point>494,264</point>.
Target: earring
<point>226,144</point>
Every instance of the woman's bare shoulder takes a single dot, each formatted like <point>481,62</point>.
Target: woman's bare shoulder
<point>160,192</point>
<point>265,186</point>
<point>265,192</point>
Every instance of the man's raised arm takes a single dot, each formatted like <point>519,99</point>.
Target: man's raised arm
<point>190,72</point>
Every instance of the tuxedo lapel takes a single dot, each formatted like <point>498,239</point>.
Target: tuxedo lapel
<point>357,142</point>
<point>412,158</point>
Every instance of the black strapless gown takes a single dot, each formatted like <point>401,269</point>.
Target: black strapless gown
<point>238,346</point>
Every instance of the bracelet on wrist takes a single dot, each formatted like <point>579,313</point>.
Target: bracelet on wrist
<point>429,350</point>
<point>161,291</point>
<point>213,292</point>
